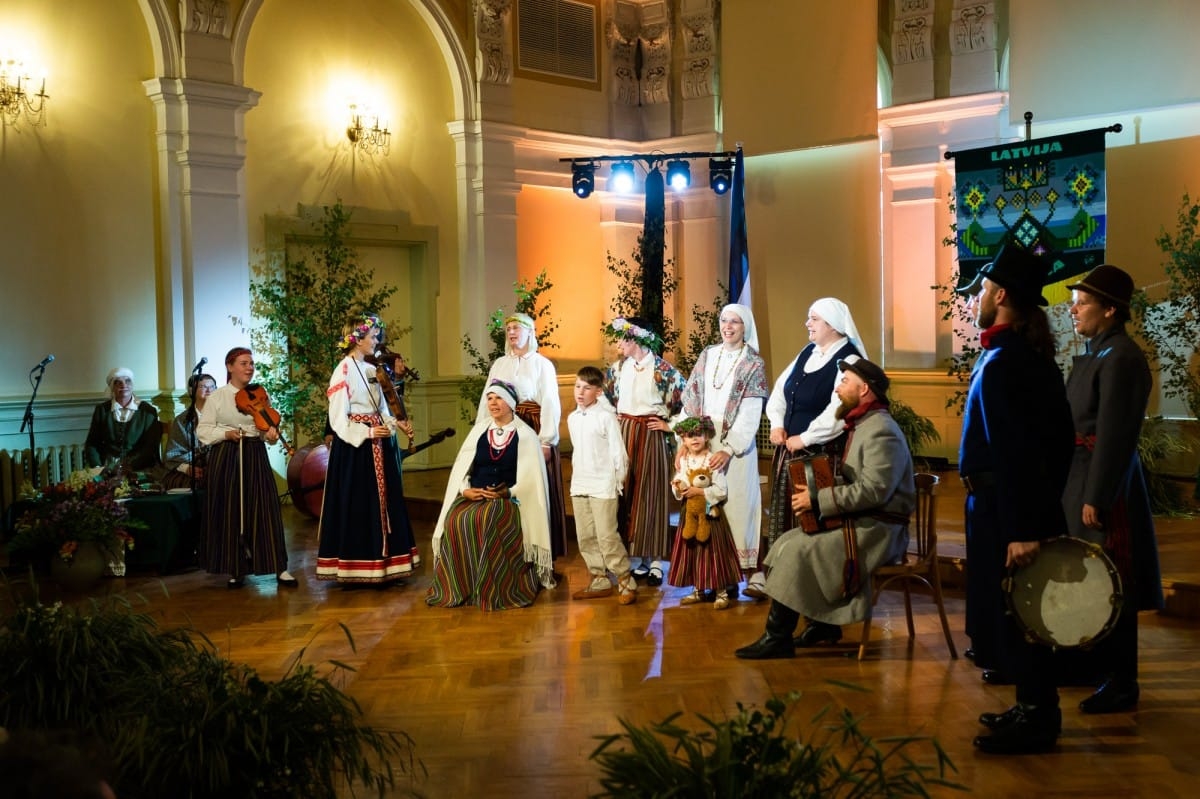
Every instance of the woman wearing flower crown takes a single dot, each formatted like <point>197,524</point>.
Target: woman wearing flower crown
<point>538,405</point>
<point>491,545</point>
<point>647,391</point>
<point>365,535</point>
<point>729,384</point>
<point>707,562</point>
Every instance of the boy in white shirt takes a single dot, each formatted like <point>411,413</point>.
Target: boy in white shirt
<point>598,467</point>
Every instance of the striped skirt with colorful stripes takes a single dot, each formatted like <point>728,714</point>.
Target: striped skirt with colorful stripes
<point>643,511</point>
<point>243,524</point>
<point>482,558</point>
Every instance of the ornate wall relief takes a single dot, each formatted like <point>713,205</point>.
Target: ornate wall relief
<point>208,17</point>
<point>699,48</point>
<point>972,27</point>
<point>912,32</point>
<point>493,32</point>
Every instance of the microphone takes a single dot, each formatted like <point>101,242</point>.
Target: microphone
<point>47,360</point>
<point>200,365</point>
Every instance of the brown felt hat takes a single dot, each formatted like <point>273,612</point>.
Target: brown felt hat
<point>1108,282</point>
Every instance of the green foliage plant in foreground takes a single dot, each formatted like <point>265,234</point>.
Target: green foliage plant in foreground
<point>754,755</point>
<point>178,720</point>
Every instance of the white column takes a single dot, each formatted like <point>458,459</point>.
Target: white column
<point>204,269</point>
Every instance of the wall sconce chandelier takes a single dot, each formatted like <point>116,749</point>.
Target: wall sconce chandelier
<point>15,99</point>
<point>369,140</point>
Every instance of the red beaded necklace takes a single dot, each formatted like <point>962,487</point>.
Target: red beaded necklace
<point>497,449</point>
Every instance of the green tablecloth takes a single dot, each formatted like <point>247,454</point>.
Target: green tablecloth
<point>173,523</point>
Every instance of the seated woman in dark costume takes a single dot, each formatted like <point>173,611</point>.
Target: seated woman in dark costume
<point>185,457</point>
<point>491,546</point>
<point>125,432</point>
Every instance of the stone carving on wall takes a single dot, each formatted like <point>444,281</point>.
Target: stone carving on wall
<point>656,65</point>
<point>699,49</point>
<point>912,31</point>
<point>972,27</point>
<point>209,17</point>
<point>622,42</point>
<point>493,32</point>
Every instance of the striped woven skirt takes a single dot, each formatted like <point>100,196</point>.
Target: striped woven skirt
<point>243,525</point>
<point>531,414</point>
<point>643,512</point>
<point>365,535</point>
<point>482,558</point>
<point>708,566</point>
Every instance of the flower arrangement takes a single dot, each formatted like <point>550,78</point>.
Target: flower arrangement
<point>623,328</point>
<point>82,508</point>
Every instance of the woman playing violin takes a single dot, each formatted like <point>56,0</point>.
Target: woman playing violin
<point>243,525</point>
<point>365,534</point>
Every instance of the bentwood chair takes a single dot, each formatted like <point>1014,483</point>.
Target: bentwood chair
<point>921,565</point>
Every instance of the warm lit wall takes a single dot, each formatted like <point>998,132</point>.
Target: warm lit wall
<point>814,232</point>
<point>797,75</point>
<point>311,59</point>
<point>77,207</point>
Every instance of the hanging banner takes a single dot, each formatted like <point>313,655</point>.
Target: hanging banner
<point>1044,195</point>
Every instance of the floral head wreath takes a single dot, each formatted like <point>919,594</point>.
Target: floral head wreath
<point>623,328</point>
<point>360,331</point>
<point>693,425</point>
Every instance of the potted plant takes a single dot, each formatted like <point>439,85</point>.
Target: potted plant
<point>77,526</point>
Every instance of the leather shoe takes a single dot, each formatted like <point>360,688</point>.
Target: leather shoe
<point>1114,696</point>
<point>286,579</point>
<point>969,653</point>
<point>1031,731</point>
<point>995,677</point>
<point>997,721</point>
<point>817,632</point>
<point>235,582</point>
<point>768,647</point>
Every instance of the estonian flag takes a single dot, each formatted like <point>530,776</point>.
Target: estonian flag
<point>739,250</point>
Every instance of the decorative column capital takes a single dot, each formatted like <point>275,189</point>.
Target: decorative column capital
<point>493,35</point>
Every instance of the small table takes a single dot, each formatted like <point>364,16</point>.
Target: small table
<point>172,522</point>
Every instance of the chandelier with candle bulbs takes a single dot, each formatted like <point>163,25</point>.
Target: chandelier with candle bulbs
<point>16,99</point>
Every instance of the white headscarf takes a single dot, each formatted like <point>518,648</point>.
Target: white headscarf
<point>747,316</point>
<point>837,314</point>
<point>504,391</point>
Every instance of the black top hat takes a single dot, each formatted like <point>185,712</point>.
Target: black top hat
<point>871,374</point>
<point>1108,282</point>
<point>1019,271</point>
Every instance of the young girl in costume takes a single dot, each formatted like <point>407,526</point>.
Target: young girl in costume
<point>711,564</point>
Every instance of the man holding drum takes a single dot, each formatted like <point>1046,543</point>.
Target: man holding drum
<point>826,576</point>
<point>1017,440</point>
<point>1106,501</point>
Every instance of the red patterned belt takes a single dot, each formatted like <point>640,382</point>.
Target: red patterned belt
<point>1085,440</point>
<point>366,418</point>
<point>646,420</point>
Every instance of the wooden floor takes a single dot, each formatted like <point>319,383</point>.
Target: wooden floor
<point>508,704</point>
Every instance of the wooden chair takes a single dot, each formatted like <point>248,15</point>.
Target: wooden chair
<point>920,565</point>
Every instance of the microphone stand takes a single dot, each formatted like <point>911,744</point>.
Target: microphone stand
<point>35,478</point>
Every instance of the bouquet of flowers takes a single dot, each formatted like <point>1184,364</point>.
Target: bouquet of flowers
<point>83,507</point>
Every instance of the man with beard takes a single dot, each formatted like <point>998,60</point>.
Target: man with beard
<point>1017,440</point>
<point>809,573</point>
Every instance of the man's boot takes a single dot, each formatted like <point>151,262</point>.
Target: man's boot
<point>776,640</point>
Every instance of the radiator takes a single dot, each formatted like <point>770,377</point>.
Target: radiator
<point>55,464</point>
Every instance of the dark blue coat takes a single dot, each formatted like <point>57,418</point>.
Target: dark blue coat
<point>1017,439</point>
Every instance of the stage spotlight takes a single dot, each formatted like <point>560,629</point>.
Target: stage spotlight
<point>583,179</point>
<point>621,178</point>
<point>720,174</point>
<point>679,175</point>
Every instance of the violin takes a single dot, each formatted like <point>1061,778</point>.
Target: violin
<point>253,401</point>
<point>391,372</point>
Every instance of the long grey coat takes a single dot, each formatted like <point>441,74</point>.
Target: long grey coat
<point>806,570</point>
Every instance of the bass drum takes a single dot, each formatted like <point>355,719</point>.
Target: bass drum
<point>1069,597</point>
<point>306,478</point>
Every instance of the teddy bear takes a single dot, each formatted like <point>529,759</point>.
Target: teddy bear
<point>696,514</point>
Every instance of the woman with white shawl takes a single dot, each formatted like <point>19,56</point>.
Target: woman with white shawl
<point>491,545</point>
